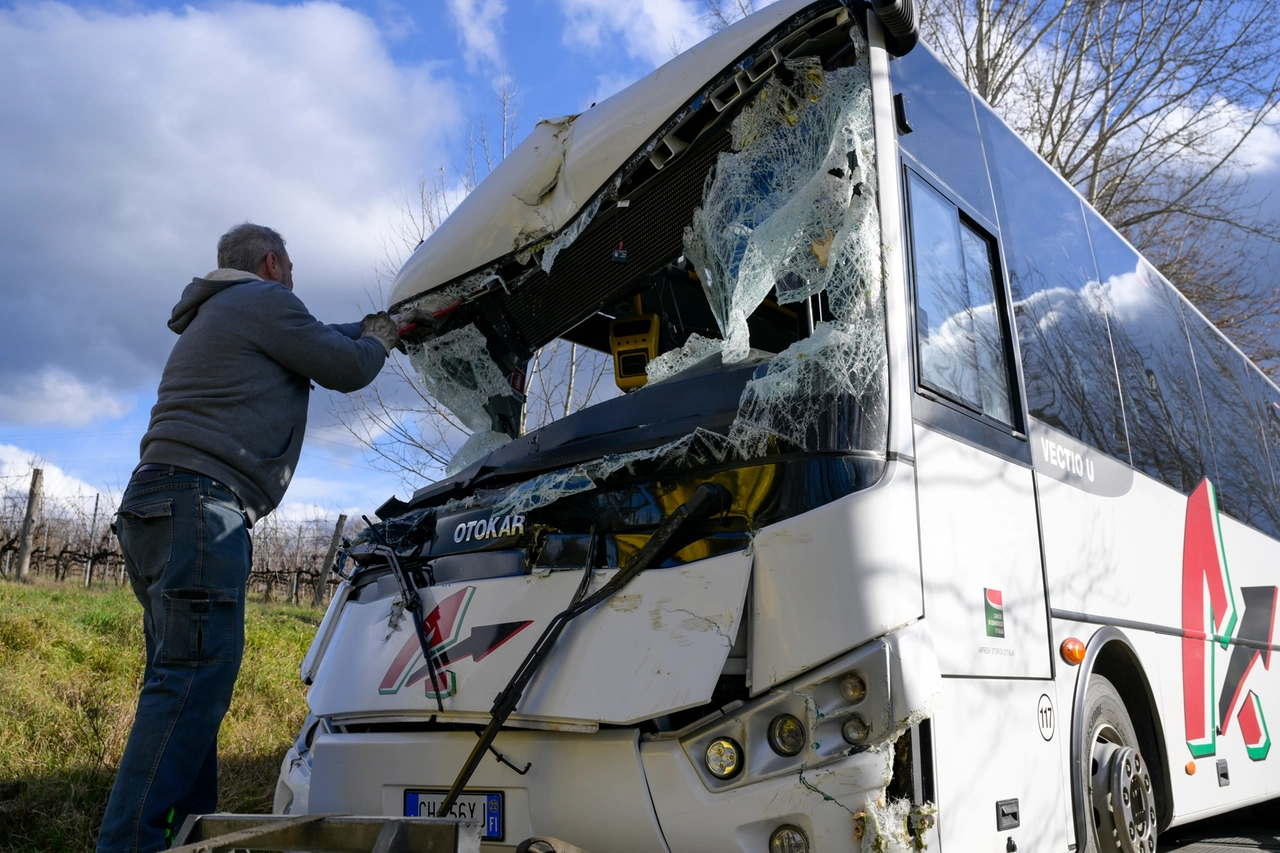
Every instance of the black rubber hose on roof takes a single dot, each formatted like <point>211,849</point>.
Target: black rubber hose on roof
<point>901,22</point>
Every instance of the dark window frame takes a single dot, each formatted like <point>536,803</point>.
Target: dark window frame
<point>934,406</point>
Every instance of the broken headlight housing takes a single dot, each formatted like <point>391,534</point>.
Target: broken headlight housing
<point>817,709</point>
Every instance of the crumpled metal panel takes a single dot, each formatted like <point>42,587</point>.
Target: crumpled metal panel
<point>669,631</point>
<point>556,170</point>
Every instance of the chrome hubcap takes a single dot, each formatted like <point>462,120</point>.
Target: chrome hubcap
<point>1123,808</point>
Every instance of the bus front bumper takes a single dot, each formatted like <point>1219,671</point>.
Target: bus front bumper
<point>607,792</point>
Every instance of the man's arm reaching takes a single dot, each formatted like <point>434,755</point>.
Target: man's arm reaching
<point>329,355</point>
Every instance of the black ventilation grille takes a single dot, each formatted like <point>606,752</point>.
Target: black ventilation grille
<point>585,278</point>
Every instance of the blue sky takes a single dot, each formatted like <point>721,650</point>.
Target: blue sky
<point>132,134</point>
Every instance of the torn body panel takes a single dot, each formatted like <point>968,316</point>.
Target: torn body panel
<point>683,620</point>
<point>564,162</point>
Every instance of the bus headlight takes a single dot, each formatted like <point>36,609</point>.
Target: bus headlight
<point>855,730</point>
<point>724,758</point>
<point>786,735</point>
<point>853,689</point>
<point>788,839</point>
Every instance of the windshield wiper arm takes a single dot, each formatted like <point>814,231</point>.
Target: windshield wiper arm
<point>708,499</point>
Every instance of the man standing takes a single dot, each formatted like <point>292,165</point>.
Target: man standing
<point>223,442</point>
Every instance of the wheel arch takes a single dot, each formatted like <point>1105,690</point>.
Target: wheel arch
<point>1111,655</point>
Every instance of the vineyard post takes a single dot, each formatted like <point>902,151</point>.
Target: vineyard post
<point>93,530</point>
<point>323,579</point>
<point>28,524</point>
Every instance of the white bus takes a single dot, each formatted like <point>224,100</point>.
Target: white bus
<point>944,519</point>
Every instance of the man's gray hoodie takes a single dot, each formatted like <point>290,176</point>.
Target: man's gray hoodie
<point>233,399</point>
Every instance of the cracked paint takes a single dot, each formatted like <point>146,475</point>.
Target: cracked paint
<point>394,618</point>
<point>826,798</point>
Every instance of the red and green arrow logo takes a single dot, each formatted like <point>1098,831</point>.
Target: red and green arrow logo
<point>444,627</point>
<point>1209,619</point>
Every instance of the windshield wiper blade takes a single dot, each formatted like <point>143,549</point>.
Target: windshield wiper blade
<point>412,602</point>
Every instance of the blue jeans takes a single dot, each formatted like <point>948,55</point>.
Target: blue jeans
<point>187,550</point>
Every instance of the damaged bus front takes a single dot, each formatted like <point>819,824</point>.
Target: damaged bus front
<point>761,683</point>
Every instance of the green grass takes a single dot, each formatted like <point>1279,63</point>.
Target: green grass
<point>70,669</point>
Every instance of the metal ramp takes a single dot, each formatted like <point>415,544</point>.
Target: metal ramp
<point>326,833</point>
<point>1255,829</point>
<point>1267,842</point>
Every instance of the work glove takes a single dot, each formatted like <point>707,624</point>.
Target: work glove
<point>418,324</point>
<point>381,327</point>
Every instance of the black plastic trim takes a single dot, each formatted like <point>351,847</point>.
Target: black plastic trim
<point>943,417</point>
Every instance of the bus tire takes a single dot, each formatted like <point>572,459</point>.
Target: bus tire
<point>1116,779</point>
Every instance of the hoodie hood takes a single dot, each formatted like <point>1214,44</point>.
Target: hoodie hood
<point>200,290</point>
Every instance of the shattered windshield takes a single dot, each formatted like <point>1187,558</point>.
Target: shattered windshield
<point>753,265</point>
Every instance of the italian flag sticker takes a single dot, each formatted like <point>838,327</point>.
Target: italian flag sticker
<point>995,613</point>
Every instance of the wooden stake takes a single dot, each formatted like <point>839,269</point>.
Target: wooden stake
<point>28,525</point>
<point>93,530</point>
<point>322,582</point>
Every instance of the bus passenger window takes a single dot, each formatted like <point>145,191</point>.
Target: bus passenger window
<point>961,341</point>
<point>1068,371</point>
<point>1269,400</point>
<point>1167,426</point>
<point>1242,471</point>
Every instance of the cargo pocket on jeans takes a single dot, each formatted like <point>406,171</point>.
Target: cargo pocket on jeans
<point>199,626</point>
<point>146,534</point>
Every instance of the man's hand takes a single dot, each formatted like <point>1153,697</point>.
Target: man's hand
<point>422,321</point>
<point>382,327</point>
<point>418,324</point>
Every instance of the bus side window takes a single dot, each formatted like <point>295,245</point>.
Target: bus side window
<point>1242,469</point>
<point>1168,431</point>
<point>944,135</point>
<point>961,342</point>
<point>1067,366</point>
<point>1269,400</point>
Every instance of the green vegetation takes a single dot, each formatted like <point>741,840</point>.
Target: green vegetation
<point>70,669</point>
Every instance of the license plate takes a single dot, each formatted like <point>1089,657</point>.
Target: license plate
<point>482,806</point>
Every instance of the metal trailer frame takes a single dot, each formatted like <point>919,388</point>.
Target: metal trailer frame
<point>327,833</point>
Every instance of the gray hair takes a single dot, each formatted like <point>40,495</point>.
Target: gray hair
<point>246,246</point>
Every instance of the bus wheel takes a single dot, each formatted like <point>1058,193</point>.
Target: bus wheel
<point>1118,783</point>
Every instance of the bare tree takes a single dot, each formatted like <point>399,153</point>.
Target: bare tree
<point>426,206</point>
<point>1146,108</point>
<point>62,539</point>
<point>718,14</point>
<point>405,430</point>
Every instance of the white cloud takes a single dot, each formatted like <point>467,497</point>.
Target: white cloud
<point>1261,151</point>
<point>325,496</point>
<point>129,142</point>
<point>650,30</point>
<point>479,25</point>
<point>16,464</point>
<point>54,396</point>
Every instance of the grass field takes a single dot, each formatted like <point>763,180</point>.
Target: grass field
<point>70,669</point>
